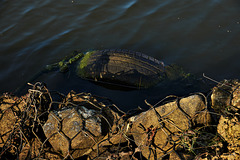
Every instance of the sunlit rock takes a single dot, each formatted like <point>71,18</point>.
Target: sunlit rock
<point>226,96</point>
<point>155,129</point>
<point>229,129</point>
<point>73,129</point>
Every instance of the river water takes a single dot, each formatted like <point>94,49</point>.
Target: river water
<point>202,36</point>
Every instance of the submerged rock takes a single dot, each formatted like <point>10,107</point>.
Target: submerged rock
<point>127,69</point>
<point>121,67</point>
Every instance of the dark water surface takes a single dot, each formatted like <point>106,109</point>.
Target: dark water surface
<point>203,36</point>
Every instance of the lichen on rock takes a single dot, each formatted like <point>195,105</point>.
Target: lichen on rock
<point>83,133</point>
<point>229,129</point>
<point>162,123</point>
<point>225,96</point>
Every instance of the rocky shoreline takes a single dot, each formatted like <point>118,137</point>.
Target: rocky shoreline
<point>49,125</point>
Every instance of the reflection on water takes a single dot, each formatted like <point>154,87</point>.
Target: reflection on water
<point>202,36</point>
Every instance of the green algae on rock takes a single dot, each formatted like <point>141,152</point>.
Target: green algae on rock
<point>83,63</point>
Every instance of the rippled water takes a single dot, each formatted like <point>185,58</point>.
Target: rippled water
<point>203,36</point>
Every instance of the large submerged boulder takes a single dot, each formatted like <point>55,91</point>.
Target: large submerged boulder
<point>121,67</point>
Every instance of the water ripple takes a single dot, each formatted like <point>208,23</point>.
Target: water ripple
<point>7,29</point>
<point>184,32</point>
<point>129,4</point>
<point>37,46</point>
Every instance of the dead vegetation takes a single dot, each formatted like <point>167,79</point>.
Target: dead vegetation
<point>46,124</point>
